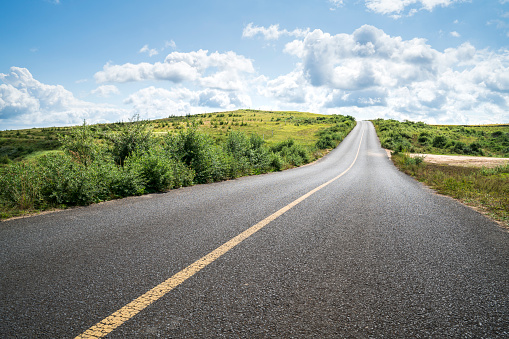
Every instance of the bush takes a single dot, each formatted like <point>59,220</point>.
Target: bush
<point>194,149</point>
<point>155,169</point>
<point>134,136</point>
<point>292,153</point>
<point>439,141</point>
<point>20,185</point>
<point>325,141</point>
<point>125,181</point>
<point>5,160</point>
<point>80,144</point>
<point>159,171</point>
<point>69,182</point>
<point>275,161</point>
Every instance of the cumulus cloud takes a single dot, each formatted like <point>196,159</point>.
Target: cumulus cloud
<point>396,8</point>
<point>105,91</point>
<point>26,102</point>
<point>336,4</point>
<point>174,72</point>
<point>455,34</point>
<point>364,59</point>
<point>220,70</point>
<point>149,51</point>
<point>170,44</point>
<point>154,102</point>
<point>272,32</point>
<point>369,73</point>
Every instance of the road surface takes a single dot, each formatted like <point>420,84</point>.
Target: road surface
<point>346,247</point>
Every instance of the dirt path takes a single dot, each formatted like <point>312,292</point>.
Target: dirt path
<point>461,160</point>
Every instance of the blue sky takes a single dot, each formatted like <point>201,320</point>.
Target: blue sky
<point>438,61</point>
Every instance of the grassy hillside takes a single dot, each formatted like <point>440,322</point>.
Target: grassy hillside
<point>273,127</point>
<point>418,137</point>
<point>59,167</point>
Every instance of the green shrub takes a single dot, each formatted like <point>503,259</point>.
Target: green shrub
<point>155,169</point>
<point>125,181</point>
<point>67,181</point>
<point>5,160</point>
<point>325,141</point>
<point>275,161</point>
<point>20,185</point>
<point>80,143</point>
<point>134,136</point>
<point>291,152</point>
<point>439,141</point>
<point>194,149</point>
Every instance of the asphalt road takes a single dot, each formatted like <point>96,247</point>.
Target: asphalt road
<point>372,254</point>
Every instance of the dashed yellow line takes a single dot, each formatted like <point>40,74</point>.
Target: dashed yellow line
<point>116,319</point>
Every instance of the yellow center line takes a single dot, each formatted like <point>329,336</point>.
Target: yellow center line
<point>107,325</point>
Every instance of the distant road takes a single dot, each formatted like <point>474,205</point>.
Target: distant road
<point>345,247</point>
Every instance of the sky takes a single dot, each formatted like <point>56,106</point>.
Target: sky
<point>437,61</point>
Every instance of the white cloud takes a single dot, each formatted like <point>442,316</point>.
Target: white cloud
<point>219,70</point>
<point>26,102</point>
<point>371,74</point>
<point>174,72</point>
<point>155,102</point>
<point>271,33</point>
<point>397,7</point>
<point>455,34</point>
<point>171,44</point>
<point>105,91</point>
<point>336,4</point>
<point>150,51</point>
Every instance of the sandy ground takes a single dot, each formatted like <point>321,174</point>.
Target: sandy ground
<point>461,160</point>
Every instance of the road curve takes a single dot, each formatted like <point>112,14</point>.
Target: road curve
<point>371,254</point>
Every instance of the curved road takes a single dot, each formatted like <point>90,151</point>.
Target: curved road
<point>371,254</point>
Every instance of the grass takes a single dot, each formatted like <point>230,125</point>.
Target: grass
<point>418,137</point>
<point>484,189</point>
<point>47,168</point>
<point>272,126</point>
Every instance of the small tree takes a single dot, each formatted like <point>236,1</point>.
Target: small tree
<point>134,136</point>
<point>80,144</point>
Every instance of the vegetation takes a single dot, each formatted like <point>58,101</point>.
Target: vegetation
<point>418,137</point>
<point>482,188</point>
<point>93,163</point>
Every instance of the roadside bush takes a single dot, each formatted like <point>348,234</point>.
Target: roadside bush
<point>4,160</point>
<point>423,139</point>
<point>439,141</point>
<point>195,150</point>
<point>66,181</point>
<point>275,161</point>
<point>325,141</point>
<point>80,143</point>
<point>155,169</point>
<point>20,185</point>
<point>291,152</point>
<point>134,136</point>
<point>125,181</point>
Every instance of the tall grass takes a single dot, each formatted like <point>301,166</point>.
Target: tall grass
<point>487,189</point>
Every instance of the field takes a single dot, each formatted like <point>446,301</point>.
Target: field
<point>418,137</point>
<point>46,168</point>
<point>273,127</point>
